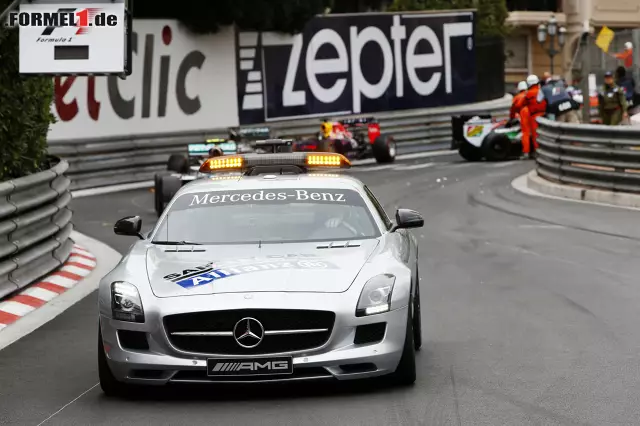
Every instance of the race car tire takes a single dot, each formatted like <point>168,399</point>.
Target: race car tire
<point>496,147</point>
<point>157,195</point>
<point>470,152</point>
<point>417,315</point>
<point>110,386</point>
<point>178,163</point>
<point>405,374</point>
<point>384,149</point>
<point>170,186</point>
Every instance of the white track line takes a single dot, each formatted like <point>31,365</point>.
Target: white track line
<point>415,166</point>
<point>68,404</point>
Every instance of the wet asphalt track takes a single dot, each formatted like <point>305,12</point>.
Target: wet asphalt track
<point>530,317</point>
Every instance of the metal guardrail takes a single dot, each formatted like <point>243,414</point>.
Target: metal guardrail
<point>110,161</point>
<point>590,155</point>
<point>35,224</point>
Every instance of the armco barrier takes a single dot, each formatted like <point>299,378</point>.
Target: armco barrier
<point>35,225</point>
<point>112,161</point>
<point>591,155</point>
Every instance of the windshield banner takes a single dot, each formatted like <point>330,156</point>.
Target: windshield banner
<point>275,196</point>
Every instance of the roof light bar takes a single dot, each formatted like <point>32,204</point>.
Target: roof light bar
<point>301,160</point>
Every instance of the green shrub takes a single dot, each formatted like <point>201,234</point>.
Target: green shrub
<point>25,111</point>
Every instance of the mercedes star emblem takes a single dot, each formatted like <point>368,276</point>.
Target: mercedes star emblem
<point>248,332</point>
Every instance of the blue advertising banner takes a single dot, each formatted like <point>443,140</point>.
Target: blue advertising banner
<point>357,63</point>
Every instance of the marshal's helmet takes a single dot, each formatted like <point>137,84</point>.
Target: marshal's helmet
<point>532,80</point>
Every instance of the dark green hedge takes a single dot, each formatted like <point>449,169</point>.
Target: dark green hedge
<point>25,112</point>
<point>203,16</point>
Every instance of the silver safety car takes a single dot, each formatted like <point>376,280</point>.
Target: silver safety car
<point>272,269</point>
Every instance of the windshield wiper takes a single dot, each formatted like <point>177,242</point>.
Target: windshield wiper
<point>175,243</point>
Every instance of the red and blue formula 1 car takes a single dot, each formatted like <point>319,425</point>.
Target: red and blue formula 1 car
<point>355,138</point>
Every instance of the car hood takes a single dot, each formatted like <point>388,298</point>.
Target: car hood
<point>249,268</point>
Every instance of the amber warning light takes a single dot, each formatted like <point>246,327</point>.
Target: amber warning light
<point>301,160</point>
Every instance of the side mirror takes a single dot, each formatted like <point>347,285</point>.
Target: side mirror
<point>406,219</point>
<point>130,226</point>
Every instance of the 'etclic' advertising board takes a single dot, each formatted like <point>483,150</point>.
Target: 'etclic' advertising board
<point>352,64</point>
<point>180,83</point>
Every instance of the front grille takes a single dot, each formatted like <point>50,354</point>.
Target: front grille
<point>272,320</point>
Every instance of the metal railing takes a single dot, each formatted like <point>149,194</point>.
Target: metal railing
<point>590,155</point>
<point>35,224</point>
<point>110,161</point>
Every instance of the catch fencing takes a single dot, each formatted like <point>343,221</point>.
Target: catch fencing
<point>136,159</point>
<point>595,156</point>
<point>35,225</point>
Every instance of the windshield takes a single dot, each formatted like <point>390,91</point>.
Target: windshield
<point>268,216</point>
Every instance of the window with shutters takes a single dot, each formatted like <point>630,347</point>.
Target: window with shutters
<point>517,52</point>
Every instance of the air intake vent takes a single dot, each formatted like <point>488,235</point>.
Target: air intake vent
<point>340,244</point>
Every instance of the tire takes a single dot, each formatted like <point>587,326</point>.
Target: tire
<point>405,374</point>
<point>158,199</point>
<point>178,163</point>
<point>417,316</point>
<point>170,186</point>
<point>496,147</point>
<point>110,386</point>
<point>384,149</point>
<point>470,152</point>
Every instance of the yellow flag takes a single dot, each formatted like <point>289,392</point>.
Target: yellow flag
<point>605,38</point>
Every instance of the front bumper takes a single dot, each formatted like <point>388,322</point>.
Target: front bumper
<point>339,358</point>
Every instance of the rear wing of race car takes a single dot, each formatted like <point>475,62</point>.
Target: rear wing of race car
<point>275,145</point>
<point>457,127</point>
<point>358,121</point>
<point>202,149</point>
<point>249,134</point>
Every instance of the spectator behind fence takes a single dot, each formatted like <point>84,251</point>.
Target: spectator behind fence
<point>626,81</point>
<point>612,103</point>
<point>626,56</point>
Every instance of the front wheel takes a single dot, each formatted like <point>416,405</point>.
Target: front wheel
<point>158,196</point>
<point>405,374</point>
<point>178,164</point>
<point>417,315</point>
<point>110,386</point>
<point>384,149</point>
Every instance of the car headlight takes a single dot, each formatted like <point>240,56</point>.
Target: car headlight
<point>376,295</point>
<point>125,302</point>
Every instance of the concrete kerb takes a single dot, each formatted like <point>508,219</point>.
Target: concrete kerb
<point>596,196</point>
<point>106,259</point>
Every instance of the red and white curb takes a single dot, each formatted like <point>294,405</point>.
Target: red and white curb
<point>80,264</point>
